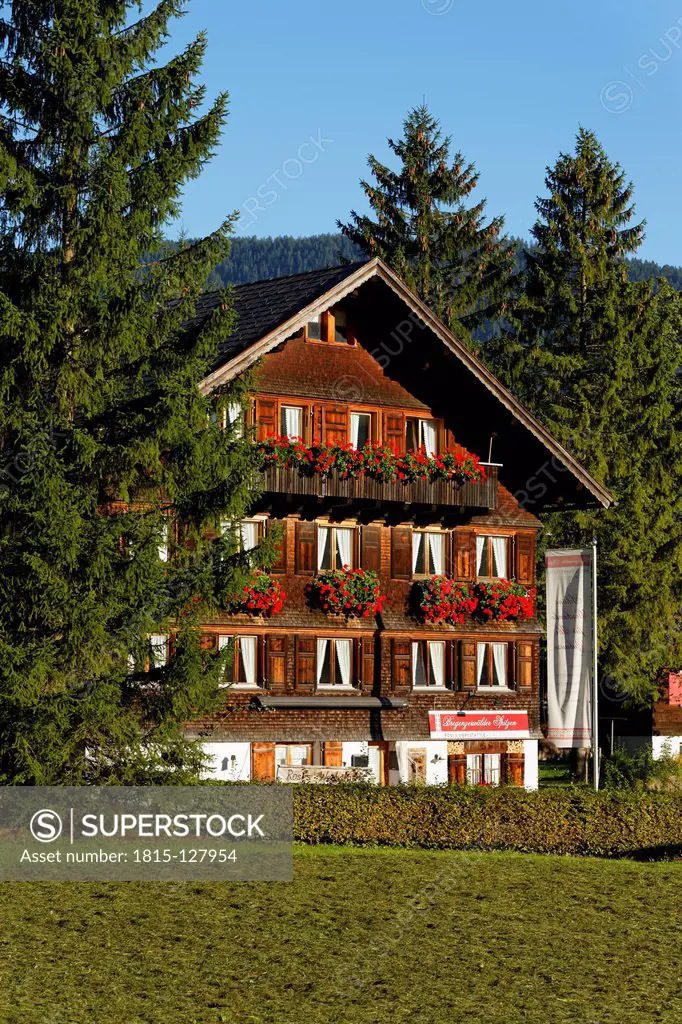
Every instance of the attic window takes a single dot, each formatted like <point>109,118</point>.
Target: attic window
<point>315,329</point>
<point>340,326</point>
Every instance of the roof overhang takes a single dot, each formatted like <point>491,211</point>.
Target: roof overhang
<point>377,269</point>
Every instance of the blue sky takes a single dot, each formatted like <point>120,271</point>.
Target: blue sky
<point>510,83</point>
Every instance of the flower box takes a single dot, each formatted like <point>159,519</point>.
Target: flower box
<point>353,593</point>
<point>263,596</point>
<point>444,601</point>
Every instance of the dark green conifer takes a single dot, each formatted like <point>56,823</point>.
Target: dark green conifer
<point>100,409</point>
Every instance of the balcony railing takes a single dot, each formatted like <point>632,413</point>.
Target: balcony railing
<point>482,494</point>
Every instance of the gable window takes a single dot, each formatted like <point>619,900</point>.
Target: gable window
<point>428,664</point>
<point>334,662</point>
<point>492,556</point>
<point>483,769</point>
<point>428,553</point>
<point>314,331</point>
<point>421,434</point>
<point>164,543</point>
<point>491,666</point>
<point>360,429</point>
<point>240,669</point>
<point>291,421</point>
<point>340,325</point>
<point>334,547</point>
<point>233,419</point>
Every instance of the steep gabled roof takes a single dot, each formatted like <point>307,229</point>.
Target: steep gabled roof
<point>270,312</point>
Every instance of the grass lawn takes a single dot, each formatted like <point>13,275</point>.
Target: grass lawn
<point>360,936</point>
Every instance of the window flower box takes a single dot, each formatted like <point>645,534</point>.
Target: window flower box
<point>263,596</point>
<point>443,601</point>
<point>353,593</point>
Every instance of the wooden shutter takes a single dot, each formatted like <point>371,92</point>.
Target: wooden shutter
<point>335,424</point>
<point>524,665</point>
<point>333,754</point>
<point>306,663</point>
<point>306,553</point>
<point>401,667</point>
<point>525,558</point>
<point>266,418</point>
<point>401,552</point>
<point>370,557</point>
<point>512,771</point>
<point>316,424</point>
<point>367,664</point>
<point>463,554</point>
<point>263,762</point>
<point>457,769</point>
<point>276,661</point>
<point>278,526</point>
<point>467,665</point>
<point>393,435</point>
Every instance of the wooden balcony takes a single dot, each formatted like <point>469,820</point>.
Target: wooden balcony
<point>365,489</point>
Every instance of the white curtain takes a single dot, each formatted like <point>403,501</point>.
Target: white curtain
<point>437,655</point>
<point>159,643</point>
<point>416,544</point>
<point>415,662</point>
<point>249,532</point>
<point>165,539</point>
<point>233,414</point>
<point>491,766</point>
<point>437,545</point>
<point>344,548</point>
<point>480,542</point>
<point>500,658</point>
<point>322,542</point>
<point>429,436</point>
<point>292,421</point>
<point>500,555</point>
<point>321,651</point>
<point>481,651</point>
<point>343,658</point>
<point>355,429</point>
<point>247,648</point>
<point>473,769</point>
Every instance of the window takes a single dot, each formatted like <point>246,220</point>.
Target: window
<point>360,429</point>
<point>293,754</point>
<point>164,544</point>
<point>428,663</point>
<point>233,419</point>
<point>315,325</point>
<point>334,547</point>
<point>428,553</point>
<point>421,434</point>
<point>340,325</point>
<point>483,769</point>
<point>248,532</point>
<point>159,650</point>
<point>492,554</point>
<point>240,669</point>
<point>291,421</point>
<point>334,662</point>
<point>491,665</point>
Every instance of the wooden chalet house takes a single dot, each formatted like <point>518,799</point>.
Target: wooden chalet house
<point>350,357</point>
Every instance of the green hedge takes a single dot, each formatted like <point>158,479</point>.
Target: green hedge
<point>461,818</point>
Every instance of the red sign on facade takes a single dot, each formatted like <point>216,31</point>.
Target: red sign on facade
<point>479,725</point>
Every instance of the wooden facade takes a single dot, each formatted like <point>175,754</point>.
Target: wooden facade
<point>357,692</point>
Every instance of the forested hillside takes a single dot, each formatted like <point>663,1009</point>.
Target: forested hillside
<point>256,259</point>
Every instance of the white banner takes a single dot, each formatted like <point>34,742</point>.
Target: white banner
<point>569,647</point>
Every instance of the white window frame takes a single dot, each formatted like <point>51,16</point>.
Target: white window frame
<point>426,645</point>
<point>484,768</point>
<point>489,655</point>
<point>333,546</point>
<point>421,537</point>
<point>282,420</point>
<point>334,664</point>
<point>289,749</point>
<point>158,643</point>
<point>421,440</point>
<point>223,641</point>
<point>487,539</point>
<point>359,414</point>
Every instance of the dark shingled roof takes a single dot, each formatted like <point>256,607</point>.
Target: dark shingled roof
<point>262,306</point>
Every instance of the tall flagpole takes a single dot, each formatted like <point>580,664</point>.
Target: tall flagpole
<point>595,678</point>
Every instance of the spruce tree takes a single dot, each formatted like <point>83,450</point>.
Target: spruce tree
<point>108,446</point>
<point>597,358</point>
<point>458,263</point>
